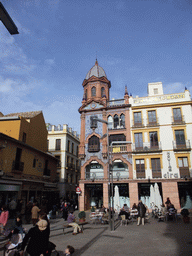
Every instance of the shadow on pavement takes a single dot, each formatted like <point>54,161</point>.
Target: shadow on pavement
<point>182,234</point>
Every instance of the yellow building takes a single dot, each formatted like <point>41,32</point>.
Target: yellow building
<point>27,172</point>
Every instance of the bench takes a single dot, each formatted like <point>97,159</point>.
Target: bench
<point>81,224</point>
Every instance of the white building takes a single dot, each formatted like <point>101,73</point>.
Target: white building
<point>63,143</point>
<point>161,131</point>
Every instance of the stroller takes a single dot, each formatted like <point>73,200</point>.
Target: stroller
<point>13,247</point>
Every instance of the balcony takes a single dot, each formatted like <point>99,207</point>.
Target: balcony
<point>147,147</point>
<point>94,175</point>
<point>178,120</point>
<point>17,166</point>
<point>119,149</point>
<point>156,173</point>
<point>184,172</point>
<point>119,127</point>
<point>182,146</point>
<point>140,174</point>
<point>152,122</point>
<point>114,103</point>
<point>138,124</point>
<point>93,148</point>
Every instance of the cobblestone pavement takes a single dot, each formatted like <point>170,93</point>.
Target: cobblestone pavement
<point>154,238</point>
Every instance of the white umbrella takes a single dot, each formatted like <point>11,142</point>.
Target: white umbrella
<point>158,199</point>
<point>116,200</point>
<point>152,197</point>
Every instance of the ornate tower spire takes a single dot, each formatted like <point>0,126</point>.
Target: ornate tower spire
<point>126,91</point>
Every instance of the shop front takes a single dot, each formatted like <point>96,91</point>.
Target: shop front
<point>93,195</point>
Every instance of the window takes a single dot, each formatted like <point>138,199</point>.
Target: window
<point>116,137</point>
<point>68,161</point>
<point>46,170</point>
<point>58,144</point>
<point>24,137</point>
<point>152,117</point>
<point>156,167</point>
<point>94,144</point>
<point>180,137</point>
<point>72,148</point>
<point>116,121</point>
<point>59,161</point>
<point>183,167</point>
<point>138,140</point>
<point>110,122</point>
<point>102,91</point>
<point>137,118</point>
<point>122,120</point>
<point>47,144</point>
<point>177,115</point>
<point>93,91</point>
<point>140,168</point>
<point>153,139</point>
<point>155,90</point>
<point>86,94</point>
<point>140,165</point>
<point>68,146</point>
<point>183,162</point>
<point>77,151</point>
<point>34,163</point>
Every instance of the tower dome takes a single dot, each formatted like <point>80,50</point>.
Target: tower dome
<point>96,70</point>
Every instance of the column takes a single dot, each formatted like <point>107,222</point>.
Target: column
<point>105,195</point>
<point>82,197</point>
<point>133,193</point>
<point>170,189</point>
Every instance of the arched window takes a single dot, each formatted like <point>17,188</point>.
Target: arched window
<point>122,120</point>
<point>93,91</point>
<point>86,94</point>
<point>102,91</point>
<point>110,122</point>
<point>94,144</point>
<point>116,121</point>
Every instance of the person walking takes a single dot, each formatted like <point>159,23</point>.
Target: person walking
<point>3,217</point>
<point>71,222</point>
<point>141,213</point>
<point>35,210</point>
<point>37,239</point>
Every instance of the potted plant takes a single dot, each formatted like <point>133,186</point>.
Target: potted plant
<point>185,214</point>
<point>82,216</point>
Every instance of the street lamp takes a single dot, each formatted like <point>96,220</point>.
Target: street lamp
<point>7,21</point>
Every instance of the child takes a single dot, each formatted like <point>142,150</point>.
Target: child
<point>69,250</point>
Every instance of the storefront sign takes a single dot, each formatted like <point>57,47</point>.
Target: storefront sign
<point>9,188</point>
<point>160,98</point>
<point>170,175</point>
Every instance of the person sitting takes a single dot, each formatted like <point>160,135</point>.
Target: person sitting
<point>71,222</point>
<point>102,209</point>
<point>126,208</point>
<point>134,207</point>
<point>123,212</point>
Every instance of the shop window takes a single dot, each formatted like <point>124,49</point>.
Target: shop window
<point>58,144</point>
<point>94,144</point>
<point>93,91</point>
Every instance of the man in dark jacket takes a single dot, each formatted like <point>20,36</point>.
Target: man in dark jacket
<point>38,238</point>
<point>141,213</point>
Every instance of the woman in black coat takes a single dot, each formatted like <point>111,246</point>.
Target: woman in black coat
<point>141,213</point>
<point>38,238</point>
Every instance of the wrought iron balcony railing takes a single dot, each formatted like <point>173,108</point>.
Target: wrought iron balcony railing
<point>152,122</point>
<point>176,120</point>
<point>182,145</point>
<point>147,146</point>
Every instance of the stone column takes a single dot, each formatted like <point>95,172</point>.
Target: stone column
<point>82,197</point>
<point>133,193</point>
<point>170,189</point>
<point>105,195</point>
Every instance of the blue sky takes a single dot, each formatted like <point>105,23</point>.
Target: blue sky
<point>137,42</point>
